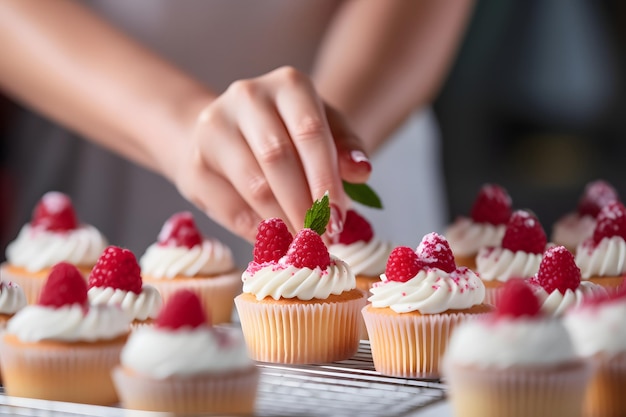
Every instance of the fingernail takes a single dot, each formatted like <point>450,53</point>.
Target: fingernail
<point>359,157</point>
<point>335,225</point>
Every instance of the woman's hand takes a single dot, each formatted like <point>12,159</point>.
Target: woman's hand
<point>268,147</point>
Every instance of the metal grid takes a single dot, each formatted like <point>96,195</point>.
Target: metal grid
<point>346,388</point>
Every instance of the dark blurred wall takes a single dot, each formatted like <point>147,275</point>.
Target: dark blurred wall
<point>536,102</point>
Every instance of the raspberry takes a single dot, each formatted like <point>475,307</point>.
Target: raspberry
<point>611,221</point>
<point>517,299</point>
<point>402,264</point>
<point>524,233</point>
<point>492,205</point>
<point>558,271</point>
<point>597,194</point>
<point>308,250</point>
<point>180,230</point>
<point>54,212</point>
<point>183,309</point>
<point>272,240</point>
<point>355,228</point>
<point>434,251</point>
<point>116,268</point>
<point>65,286</point>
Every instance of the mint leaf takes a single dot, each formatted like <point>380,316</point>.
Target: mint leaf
<point>318,215</point>
<point>362,193</point>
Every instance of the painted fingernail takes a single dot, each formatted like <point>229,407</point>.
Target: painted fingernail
<point>359,157</point>
<point>335,225</point>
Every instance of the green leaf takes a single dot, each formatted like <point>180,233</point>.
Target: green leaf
<point>318,215</point>
<point>363,194</point>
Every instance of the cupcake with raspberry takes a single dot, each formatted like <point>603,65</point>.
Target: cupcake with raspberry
<point>299,303</point>
<point>518,256</point>
<point>483,228</point>
<point>116,280</point>
<point>421,298</point>
<point>196,369</point>
<point>12,300</point>
<point>557,284</point>
<point>183,258</point>
<point>516,362</point>
<point>602,257</point>
<point>575,227</point>
<point>61,348</point>
<point>599,334</point>
<point>53,235</point>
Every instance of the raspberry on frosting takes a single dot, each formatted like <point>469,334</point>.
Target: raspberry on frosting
<point>55,213</point>
<point>402,264</point>
<point>611,221</point>
<point>435,252</point>
<point>180,230</point>
<point>557,271</point>
<point>117,268</point>
<point>65,285</point>
<point>524,233</point>
<point>272,240</point>
<point>492,205</point>
<point>308,250</point>
<point>517,299</point>
<point>183,309</point>
<point>355,228</point>
<point>596,195</point>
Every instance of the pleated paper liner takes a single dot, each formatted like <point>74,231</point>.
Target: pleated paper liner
<point>606,393</point>
<point>301,332</point>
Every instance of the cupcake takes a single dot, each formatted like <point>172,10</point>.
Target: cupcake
<point>116,280</point>
<point>485,226</point>
<point>53,235</point>
<point>299,303</point>
<point>62,348</point>
<point>575,227</point>
<point>602,257</point>
<point>518,256</point>
<point>12,300</point>
<point>516,362</point>
<point>184,365</point>
<point>599,333</point>
<point>183,258</point>
<point>421,298</point>
<point>557,284</point>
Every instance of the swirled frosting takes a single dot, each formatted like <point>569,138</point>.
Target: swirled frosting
<point>185,351</point>
<point>277,279</point>
<point>607,259</point>
<point>12,298</point>
<point>508,342</point>
<point>142,306</point>
<point>466,237</point>
<point>364,258</point>
<point>499,264</point>
<point>72,323</point>
<point>557,303</point>
<point>211,258</point>
<point>598,328</point>
<point>431,291</point>
<point>35,249</point>
<point>572,229</point>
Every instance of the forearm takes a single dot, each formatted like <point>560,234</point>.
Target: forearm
<point>383,59</point>
<point>64,62</point>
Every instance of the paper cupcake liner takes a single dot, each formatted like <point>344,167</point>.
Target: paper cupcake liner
<point>221,394</point>
<point>216,293</point>
<point>365,283</point>
<point>491,295</point>
<point>606,395</point>
<point>409,345</point>
<point>296,333</point>
<point>78,373</point>
<point>546,391</point>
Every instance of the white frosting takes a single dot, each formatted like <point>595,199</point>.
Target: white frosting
<point>278,280</point>
<point>572,229</point>
<point>557,303</point>
<point>184,351</point>
<point>431,291</point>
<point>140,306</point>
<point>35,249</point>
<point>364,258</point>
<point>598,328</point>
<point>607,259</point>
<point>72,323</point>
<point>499,264</point>
<point>466,237</point>
<point>12,298</point>
<point>507,342</point>
<point>211,258</point>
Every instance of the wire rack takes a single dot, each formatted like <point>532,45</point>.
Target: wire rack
<point>345,388</point>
